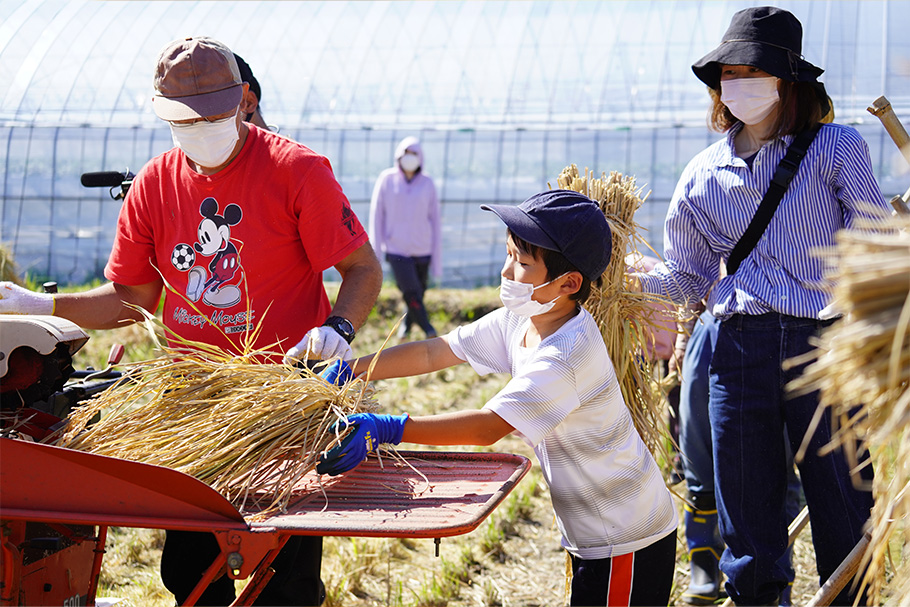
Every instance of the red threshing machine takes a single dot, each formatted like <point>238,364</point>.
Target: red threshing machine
<point>56,504</point>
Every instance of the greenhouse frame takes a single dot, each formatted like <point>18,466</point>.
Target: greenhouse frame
<point>503,96</point>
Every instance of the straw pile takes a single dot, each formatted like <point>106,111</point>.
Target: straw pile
<point>863,362</point>
<point>623,315</point>
<point>8,269</point>
<point>250,430</point>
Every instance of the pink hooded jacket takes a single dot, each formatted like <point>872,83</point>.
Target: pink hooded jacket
<point>405,218</point>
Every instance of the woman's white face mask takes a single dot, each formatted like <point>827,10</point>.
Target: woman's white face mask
<point>208,144</point>
<point>517,297</point>
<point>750,99</point>
<point>409,162</point>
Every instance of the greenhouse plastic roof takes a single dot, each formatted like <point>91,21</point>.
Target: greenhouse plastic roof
<point>449,64</point>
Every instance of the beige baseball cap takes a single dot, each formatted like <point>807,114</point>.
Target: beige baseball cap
<point>195,78</point>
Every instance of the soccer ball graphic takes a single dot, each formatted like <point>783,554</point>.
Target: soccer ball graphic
<point>183,257</point>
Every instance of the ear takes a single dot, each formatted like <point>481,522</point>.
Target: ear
<point>249,102</point>
<point>570,283</point>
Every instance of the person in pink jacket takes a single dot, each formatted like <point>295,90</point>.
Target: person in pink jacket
<point>405,227</point>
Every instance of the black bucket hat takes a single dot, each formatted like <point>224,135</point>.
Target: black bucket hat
<point>768,38</point>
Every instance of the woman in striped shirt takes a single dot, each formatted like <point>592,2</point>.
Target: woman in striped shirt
<point>764,93</point>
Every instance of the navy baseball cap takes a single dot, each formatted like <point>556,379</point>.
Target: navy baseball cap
<point>563,221</point>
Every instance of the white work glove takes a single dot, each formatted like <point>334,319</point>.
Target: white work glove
<point>322,343</point>
<point>18,300</point>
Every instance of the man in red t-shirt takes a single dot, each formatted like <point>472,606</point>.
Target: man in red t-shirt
<point>238,223</point>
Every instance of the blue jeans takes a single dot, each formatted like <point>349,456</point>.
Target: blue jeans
<point>694,425</point>
<point>749,408</point>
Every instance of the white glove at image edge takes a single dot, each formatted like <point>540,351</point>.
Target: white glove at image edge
<point>19,300</point>
<point>322,343</point>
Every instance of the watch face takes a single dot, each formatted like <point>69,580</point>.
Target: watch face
<point>343,326</point>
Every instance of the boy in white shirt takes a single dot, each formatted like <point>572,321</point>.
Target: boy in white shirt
<point>616,516</point>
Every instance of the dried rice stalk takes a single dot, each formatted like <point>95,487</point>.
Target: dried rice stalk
<point>8,269</point>
<point>863,361</point>
<point>624,316</point>
<point>248,429</point>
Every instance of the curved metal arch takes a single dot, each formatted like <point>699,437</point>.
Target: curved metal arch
<point>75,75</point>
<point>400,108</point>
<point>29,68</point>
<point>150,15</point>
<point>593,80</point>
<point>376,14</point>
<point>312,88</point>
<point>14,23</point>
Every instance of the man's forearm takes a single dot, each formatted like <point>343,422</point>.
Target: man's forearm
<point>103,307</point>
<point>360,285</point>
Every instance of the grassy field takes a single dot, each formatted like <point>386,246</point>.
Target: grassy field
<point>512,559</point>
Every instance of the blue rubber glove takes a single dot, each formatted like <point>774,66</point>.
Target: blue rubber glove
<point>338,373</point>
<point>370,431</point>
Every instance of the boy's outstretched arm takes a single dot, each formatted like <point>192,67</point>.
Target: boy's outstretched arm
<point>413,358</point>
<point>369,430</point>
<point>474,427</point>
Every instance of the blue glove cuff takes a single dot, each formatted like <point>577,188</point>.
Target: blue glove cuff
<point>338,373</point>
<point>389,428</point>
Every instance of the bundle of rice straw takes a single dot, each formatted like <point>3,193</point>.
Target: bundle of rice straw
<point>248,429</point>
<point>623,315</point>
<point>863,363</point>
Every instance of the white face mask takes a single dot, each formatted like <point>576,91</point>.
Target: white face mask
<point>208,144</point>
<point>750,99</point>
<point>517,297</point>
<point>409,163</point>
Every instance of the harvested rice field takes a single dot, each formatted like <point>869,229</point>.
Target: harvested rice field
<point>512,559</point>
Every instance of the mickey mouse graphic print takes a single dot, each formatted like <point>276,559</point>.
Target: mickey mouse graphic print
<point>239,249</point>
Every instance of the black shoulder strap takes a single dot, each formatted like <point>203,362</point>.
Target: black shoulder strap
<point>784,174</point>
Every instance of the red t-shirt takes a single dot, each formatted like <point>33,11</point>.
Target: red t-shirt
<point>239,249</point>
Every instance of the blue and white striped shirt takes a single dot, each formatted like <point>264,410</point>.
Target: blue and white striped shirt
<point>718,194</point>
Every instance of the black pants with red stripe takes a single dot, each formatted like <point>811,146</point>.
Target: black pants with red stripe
<point>642,578</point>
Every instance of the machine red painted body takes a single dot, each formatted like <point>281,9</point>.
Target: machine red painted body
<point>56,504</point>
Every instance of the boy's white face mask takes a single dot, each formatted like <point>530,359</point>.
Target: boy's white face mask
<point>517,297</point>
<point>750,99</point>
<point>208,144</point>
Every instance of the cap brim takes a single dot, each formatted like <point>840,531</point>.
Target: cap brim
<point>198,106</point>
<point>522,225</point>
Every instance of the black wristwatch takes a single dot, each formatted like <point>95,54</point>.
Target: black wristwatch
<point>342,326</point>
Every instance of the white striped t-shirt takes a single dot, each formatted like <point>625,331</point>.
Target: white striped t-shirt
<point>564,401</point>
